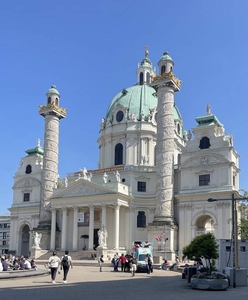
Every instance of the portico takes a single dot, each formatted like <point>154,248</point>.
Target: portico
<point>107,210</point>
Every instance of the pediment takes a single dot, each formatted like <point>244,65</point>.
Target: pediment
<point>83,188</point>
<point>26,182</point>
<point>197,161</point>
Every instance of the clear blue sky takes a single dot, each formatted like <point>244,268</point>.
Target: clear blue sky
<point>90,50</point>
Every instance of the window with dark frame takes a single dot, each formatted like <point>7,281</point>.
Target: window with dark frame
<point>28,169</point>
<point>204,179</point>
<point>162,69</point>
<point>141,219</point>
<point>141,78</point>
<point>141,186</point>
<point>26,197</point>
<point>118,154</point>
<point>204,143</point>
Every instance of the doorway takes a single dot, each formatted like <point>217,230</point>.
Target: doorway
<point>95,240</point>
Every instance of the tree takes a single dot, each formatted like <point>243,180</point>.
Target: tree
<point>203,246</point>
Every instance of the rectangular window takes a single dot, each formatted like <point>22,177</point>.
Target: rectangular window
<point>228,248</point>
<point>26,197</point>
<point>204,179</point>
<point>242,249</point>
<point>141,186</point>
<point>5,225</point>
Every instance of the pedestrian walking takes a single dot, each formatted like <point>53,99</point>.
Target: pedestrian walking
<point>101,262</point>
<point>53,264</point>
<point>133,265</point>
<point>66,263</point>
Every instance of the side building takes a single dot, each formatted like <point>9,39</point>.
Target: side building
<point>4,233</point>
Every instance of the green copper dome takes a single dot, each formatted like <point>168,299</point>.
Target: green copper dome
<point>146,62</point>
<point>53,90</point>
<point>138,100</point>
<point>166,56</point>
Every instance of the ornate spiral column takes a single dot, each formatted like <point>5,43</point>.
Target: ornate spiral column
<point>52,114</point>
<point>165,85</point>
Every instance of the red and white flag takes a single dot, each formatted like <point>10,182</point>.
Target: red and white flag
<point>158,238</point>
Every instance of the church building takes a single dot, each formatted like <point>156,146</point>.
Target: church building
<point>153,178</point>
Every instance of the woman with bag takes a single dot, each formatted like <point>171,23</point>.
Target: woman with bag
<point>53,264</point>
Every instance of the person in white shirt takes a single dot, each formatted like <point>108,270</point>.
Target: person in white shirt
<point>53,263</point>
<point>26,264</point>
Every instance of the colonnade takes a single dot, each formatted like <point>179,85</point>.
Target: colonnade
<point>64,228</point>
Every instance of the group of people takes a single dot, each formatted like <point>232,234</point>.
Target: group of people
<point>64,263</point>
<point>14,263</point>
<point>128,263</point>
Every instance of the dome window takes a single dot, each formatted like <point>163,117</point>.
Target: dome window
<point>204,143</point>
<point>119,116</point>
<point>148,78</point>
<point>49,100</point>
<point>163,69</point>
<point>141,78</point>
<point>118,154</point>
<point>57,101</point>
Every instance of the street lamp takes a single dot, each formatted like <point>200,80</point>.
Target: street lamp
<point>234,232</point>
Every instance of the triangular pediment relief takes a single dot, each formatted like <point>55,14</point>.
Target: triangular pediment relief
<point>82,188</point>
<point>142,178</point>
<point>203,161</point>
<point>26,182</point>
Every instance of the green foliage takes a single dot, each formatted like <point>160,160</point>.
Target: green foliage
<point>243,228</point>
<point>202,246</point>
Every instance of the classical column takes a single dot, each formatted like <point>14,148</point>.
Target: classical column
<point>75,229</point>
<point>132,224</point>
<point>53,229</point>
<point>91,228</point>
<point>104,216</point>
<point>64,227</point>
<point>117,226</point>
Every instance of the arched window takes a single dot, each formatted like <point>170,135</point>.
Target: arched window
<point>57,101</point>
<point>49,100</point>
<point>178,128</point>
<point>148,77</point>
<point>141,78</point>
<point>141,219</point>
<point>162,69</point>
<point>118,154</point>
<point>28,169</point>
<point>204,143</point>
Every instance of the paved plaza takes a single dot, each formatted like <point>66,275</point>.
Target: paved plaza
<point>86,282</point>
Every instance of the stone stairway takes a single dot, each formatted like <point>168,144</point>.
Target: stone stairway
<point>76,255</point>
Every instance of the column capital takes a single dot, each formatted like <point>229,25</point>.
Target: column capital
<point>117,206</point>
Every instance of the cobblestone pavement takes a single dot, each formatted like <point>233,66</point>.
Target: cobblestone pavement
<point>86,282</point>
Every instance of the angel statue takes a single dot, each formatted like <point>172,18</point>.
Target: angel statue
<point>100,237</point>
<point>36,237</point>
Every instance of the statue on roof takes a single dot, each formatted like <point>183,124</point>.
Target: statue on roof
<point>208,110</point>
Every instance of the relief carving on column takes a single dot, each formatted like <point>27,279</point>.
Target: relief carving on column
<point>166,157</point>
<point>166,133</point>
<point>163,195</point>
<point>164,209</point>
<point>165,122</point>
<point>167,109</point>
<point>163,182</point>
<point>165,170</point>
